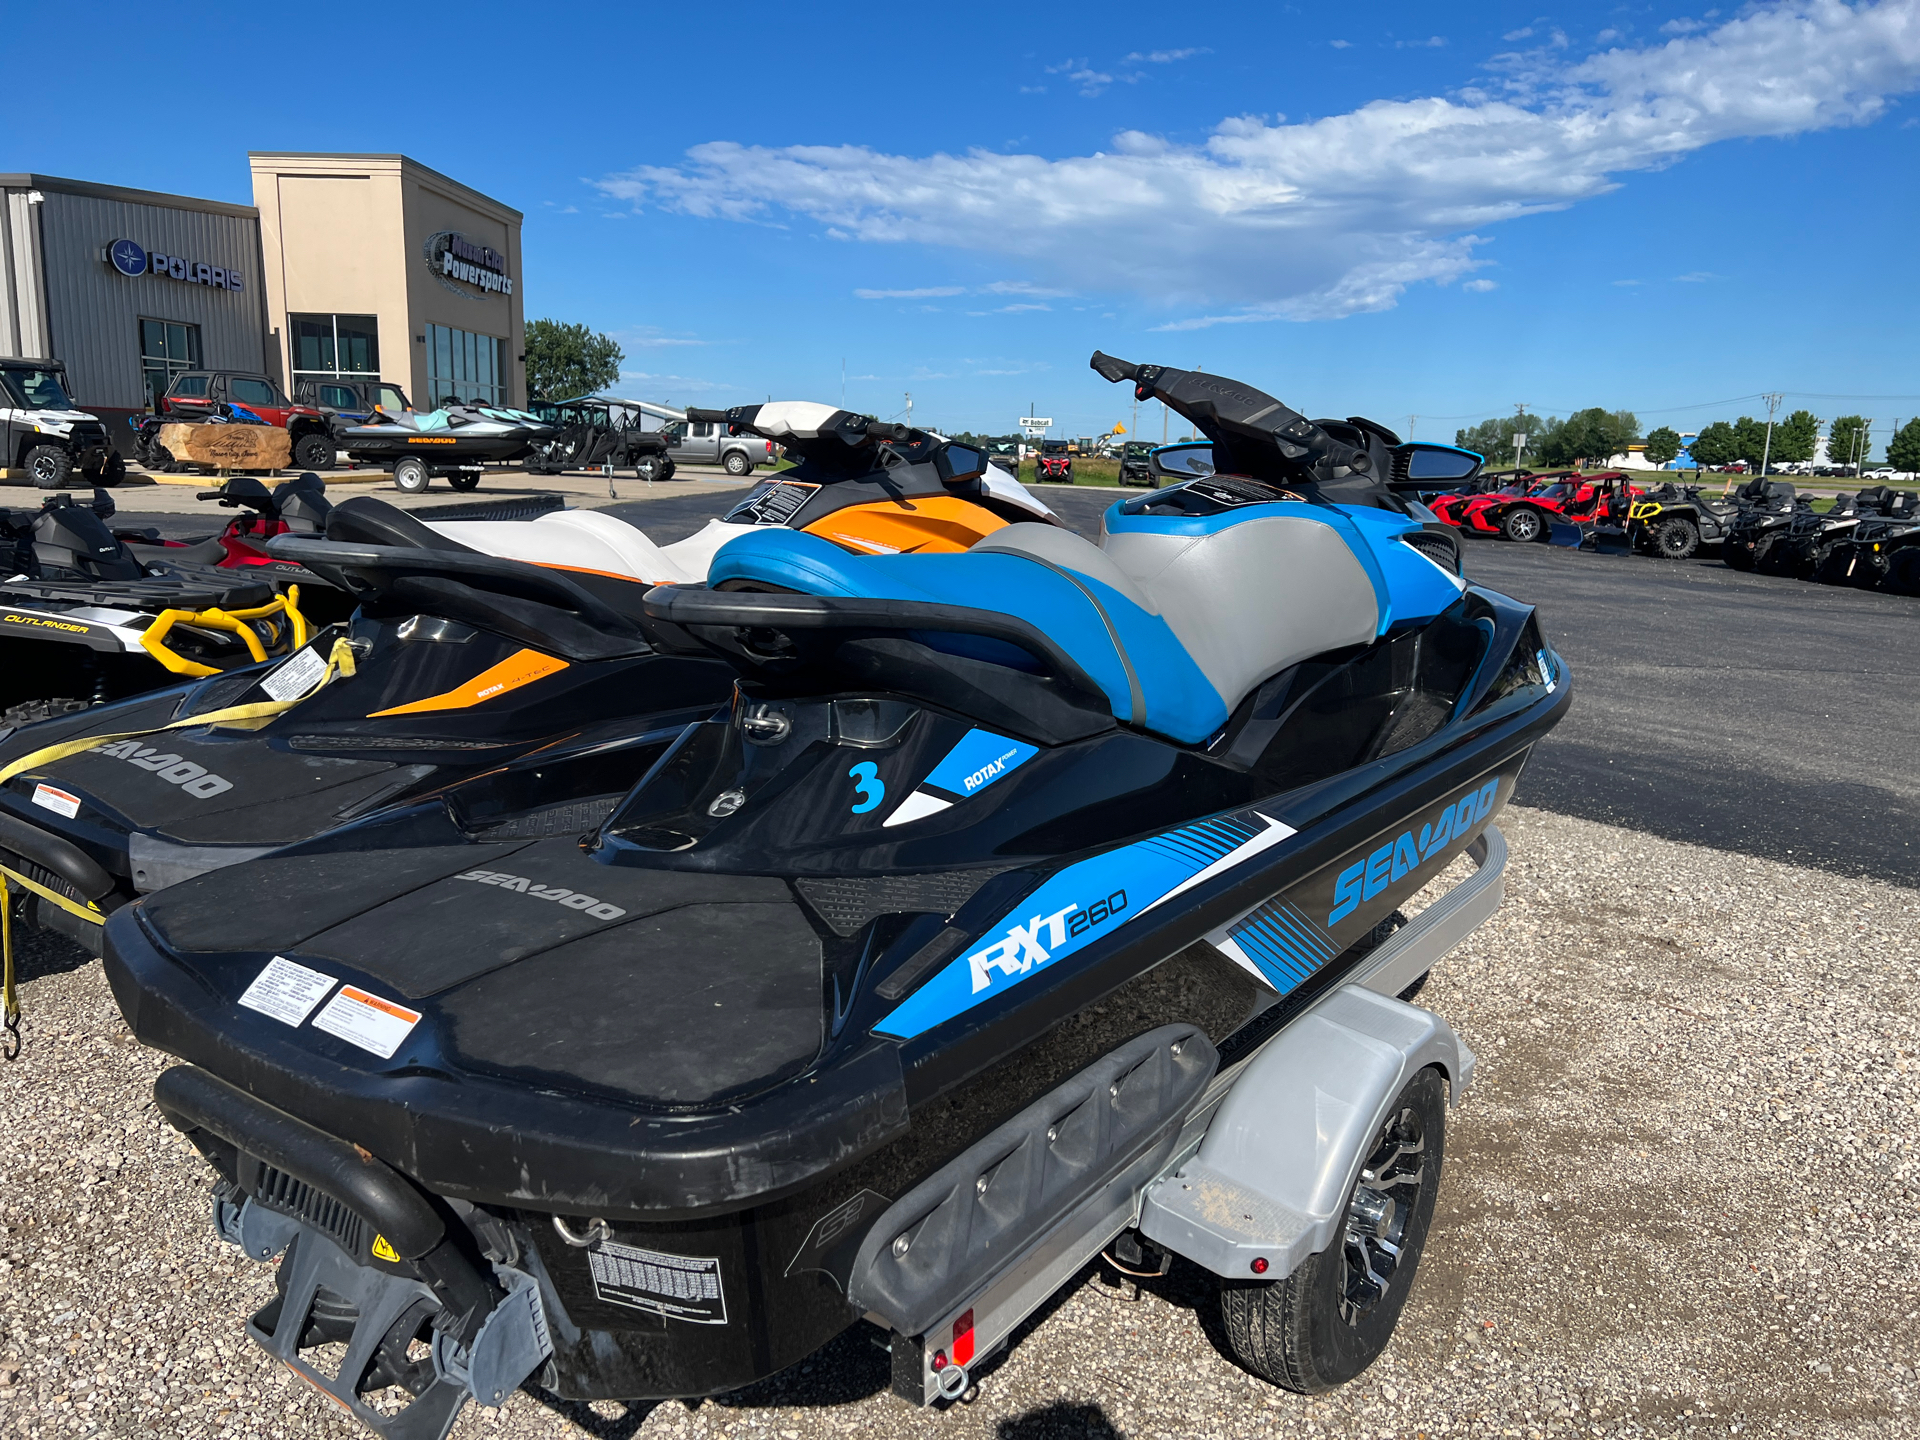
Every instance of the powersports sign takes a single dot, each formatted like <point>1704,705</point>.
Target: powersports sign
<point>452,257</point>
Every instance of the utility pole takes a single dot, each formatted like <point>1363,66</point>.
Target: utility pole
<point>1519,435</point>
<point>909,395</point>
<point>1412,421</point>
<point>1766,454</point>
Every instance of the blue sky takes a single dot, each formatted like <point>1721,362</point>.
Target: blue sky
<point>1392,211</point>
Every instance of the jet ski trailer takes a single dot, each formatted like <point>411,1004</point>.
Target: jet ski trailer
<point>457,441</point>
<point>957,949</point>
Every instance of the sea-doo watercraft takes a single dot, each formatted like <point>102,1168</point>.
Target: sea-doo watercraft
<point>85,617</point>
<point>458,441</point>
<point>468,675</point>
<point>872,486</point>
<point>1022,903</point>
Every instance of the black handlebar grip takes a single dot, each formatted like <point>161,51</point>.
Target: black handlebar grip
<point>1112,370</point>
<point>888,430</point>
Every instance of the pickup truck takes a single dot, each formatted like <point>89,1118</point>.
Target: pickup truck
<point>195,394</point>
<point>705,442</point>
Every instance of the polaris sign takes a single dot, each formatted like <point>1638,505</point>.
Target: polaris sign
<point>452,256</point>
<point>132,259</point>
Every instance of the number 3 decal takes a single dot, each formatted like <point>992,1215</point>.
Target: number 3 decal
<point>871,787</point>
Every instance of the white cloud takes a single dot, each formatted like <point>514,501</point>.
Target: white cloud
<point>1432,42</point>
<point>1266,220</point>
<point>1166,57</point>
<point>925,292</point>
<point>1341,44</point>
<point>1523,33</point>
<point>1480,287</point>
<point>1698,277</point>
<point>1022,287</point>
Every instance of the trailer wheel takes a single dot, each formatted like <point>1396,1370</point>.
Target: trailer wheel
<point>49,466</point>
<point>465,480</point>
<point>313,451</point>
<point>1676,538</point>
<point>1331,1318</point>
<point>1523,525</point>
<point>32,710</point>
<point>735,462</point>
<point>410,475</point>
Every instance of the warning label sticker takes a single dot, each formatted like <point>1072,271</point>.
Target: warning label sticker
<point>365,1020</point>
<point>297,676</point>
<point>286,991</point>
<point>58,801</point>
<point>680,1287</point>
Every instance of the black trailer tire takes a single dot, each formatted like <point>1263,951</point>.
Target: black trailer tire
<point>1675,538</point>
<point>32,710</point>
<point>48,466</point>
<point>1326,1322</point>
<point>314,451</point>
<point>735,462</point>
<point>1522,525</point>
<point>115,470</point>
<point>411,476</point>
<point>465,480</point>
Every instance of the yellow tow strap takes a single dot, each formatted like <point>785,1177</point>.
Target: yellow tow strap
<point>339,662</point>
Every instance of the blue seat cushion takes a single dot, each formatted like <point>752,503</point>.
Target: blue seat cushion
<point>1130,653</point>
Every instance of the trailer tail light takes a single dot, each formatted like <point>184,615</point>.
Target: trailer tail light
<point>963,1339</point>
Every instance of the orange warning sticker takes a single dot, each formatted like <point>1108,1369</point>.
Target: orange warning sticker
<point>366,1020</point>
<point>523,667</point>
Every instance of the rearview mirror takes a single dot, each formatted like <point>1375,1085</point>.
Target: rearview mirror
<point>1423,466</point>
<point>956,464</point>
<point>1175,463</point>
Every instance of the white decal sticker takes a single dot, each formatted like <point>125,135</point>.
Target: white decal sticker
<point>366,1020</point>
<point>58,801</point>
<point>286,991</point>
<point>679,1287</point>
<point>297,676</point>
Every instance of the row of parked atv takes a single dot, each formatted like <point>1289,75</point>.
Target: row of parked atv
<point>1870,540</point>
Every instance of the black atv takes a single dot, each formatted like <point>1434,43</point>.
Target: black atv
<point>1882,551</point>
<point>593,433</point>
<point>1757,526</point>
<point>1674,522</point>
<point>1135,466</point>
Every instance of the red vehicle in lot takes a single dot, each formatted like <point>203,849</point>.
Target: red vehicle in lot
<point>1572,498</point>
<point>1453,507</point>
<point>198,394</point>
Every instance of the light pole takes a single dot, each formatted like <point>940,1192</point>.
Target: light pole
<point>1766,453</point>
<point>1519,435</point>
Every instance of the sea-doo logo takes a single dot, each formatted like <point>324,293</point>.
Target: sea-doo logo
<point>569,898</point>
<point>1366,878</point>
<point>196,780</point>
<point>1021,947</point>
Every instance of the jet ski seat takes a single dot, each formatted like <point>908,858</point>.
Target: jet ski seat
<point>583,540</point>
<point>1176,622</point>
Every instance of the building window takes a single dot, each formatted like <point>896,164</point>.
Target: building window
<point>334,346</point>
<point>462,366</point>
<point>166,348</point>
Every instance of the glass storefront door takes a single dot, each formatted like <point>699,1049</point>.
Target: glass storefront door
<point>166,348</point>
<point>463,367</point>
<point>334,347</point>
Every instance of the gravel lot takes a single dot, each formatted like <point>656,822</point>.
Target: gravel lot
<point>1681,1198</point>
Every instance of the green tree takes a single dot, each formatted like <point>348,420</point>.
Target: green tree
<point>568,360</point>
<point>1903,451</point>
<point>1494,438</point>
<point>1750,440</point>
<point>1662,445</point>
<point>1592,434</point>
<point>1847,437</point>
<point>1715,445</point>
<point>1795,437</point>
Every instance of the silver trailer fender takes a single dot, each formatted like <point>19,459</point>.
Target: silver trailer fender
<point>1282,1150</point>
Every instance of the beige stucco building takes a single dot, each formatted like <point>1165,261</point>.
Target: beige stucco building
<point>376,265</point>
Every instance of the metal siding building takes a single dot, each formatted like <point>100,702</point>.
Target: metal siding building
<point>63,299</point>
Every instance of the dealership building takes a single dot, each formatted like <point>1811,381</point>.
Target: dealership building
<point>353,266</point>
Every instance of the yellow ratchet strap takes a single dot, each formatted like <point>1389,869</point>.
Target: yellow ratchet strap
<point>340,662</point>
<point>236,622</point>
<point>9,996</point>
